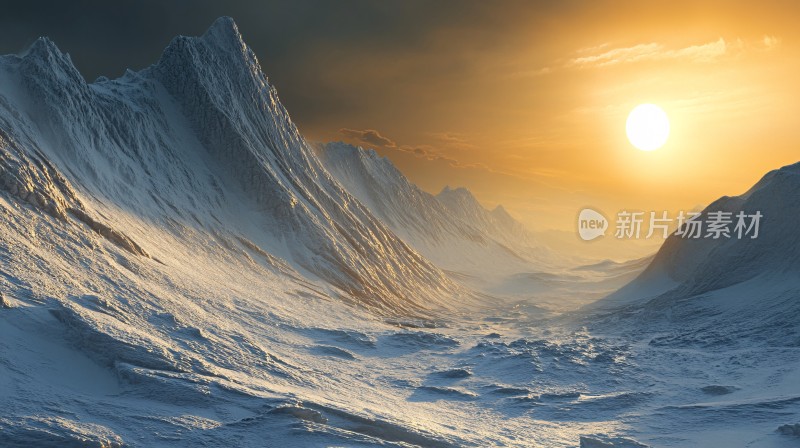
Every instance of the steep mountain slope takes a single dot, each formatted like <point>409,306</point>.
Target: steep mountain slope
<point>748,284</point>
<point>199,142</point>
<point>458,236</point>
<point>178,269</point>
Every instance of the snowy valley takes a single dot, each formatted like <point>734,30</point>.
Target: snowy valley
<point>180,267</point>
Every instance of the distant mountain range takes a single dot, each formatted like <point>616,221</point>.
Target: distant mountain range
<point>452,228</point>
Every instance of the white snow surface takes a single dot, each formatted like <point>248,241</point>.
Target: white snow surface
<point>177,268</point>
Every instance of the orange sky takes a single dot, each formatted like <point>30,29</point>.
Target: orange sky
<point>529,109</point>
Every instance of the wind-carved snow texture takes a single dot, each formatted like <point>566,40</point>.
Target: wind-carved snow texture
<point>177,268</point>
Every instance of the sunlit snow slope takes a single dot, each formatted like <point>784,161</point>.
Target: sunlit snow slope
<point>197,146</point>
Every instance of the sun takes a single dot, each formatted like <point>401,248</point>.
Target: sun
<point>647,127</point>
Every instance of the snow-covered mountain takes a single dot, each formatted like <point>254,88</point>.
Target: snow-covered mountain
<point>452,228</point>
<point>199,144</point>
<point>460,202</point>
<point>747,284</point>
<point>178,269</point>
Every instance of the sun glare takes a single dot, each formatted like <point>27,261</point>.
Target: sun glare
<point>647,127</point>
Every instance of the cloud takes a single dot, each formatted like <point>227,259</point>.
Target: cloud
<point>374,138</point>
<point>605,55</point>
<point>448,137</point>
<point>451,139</point>
<point>431,153</point>
<point>771,42</point>
<point>653,51</point>
<point>369,137</point>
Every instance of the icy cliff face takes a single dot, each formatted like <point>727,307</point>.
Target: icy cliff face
<point>197,141</point>
<point>451,229</point>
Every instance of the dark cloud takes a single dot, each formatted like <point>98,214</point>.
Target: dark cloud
<point>452,140</point>
<point>374,139</point>
<point>368,136</point>
<point>433,154</point>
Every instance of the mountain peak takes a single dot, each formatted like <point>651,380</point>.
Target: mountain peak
<point>42,47</point>
<point>46,51</point>
<point>44,64</point>
<point>501,212</point>
<point>224,31</point>
<point>222,43</point>
<point>503,217</point>
<point>346,149</point>
<point>462,199</point>
<point>788,171</point>
<point>459,192</point>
